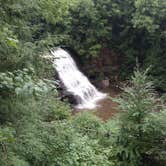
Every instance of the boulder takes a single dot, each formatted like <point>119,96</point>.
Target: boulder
<point>105,83</point>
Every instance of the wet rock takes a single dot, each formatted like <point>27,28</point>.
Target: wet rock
<point>68,96</point>
<point>105,83</point>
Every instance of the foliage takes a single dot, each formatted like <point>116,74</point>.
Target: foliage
<point>27,30</point>
<point>22,83</point>
<point>133,29</point>
<point>36,128</point>
<point>141,134</point>
<point>87,124</point>
<point>149,14</point>
<point>85,21</point>
<point>41,140</point>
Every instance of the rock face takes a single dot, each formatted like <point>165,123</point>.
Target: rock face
<point>105,83</point>
<point>109,62</point>
<point>104,69</point>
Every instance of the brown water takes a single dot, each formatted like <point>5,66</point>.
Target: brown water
<point>107,108</point>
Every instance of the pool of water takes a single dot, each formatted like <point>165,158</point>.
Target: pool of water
<point>106,108</point>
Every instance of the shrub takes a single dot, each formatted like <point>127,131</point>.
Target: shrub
<point>87,124</point>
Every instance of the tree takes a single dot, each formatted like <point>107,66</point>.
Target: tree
<point>142,130</point>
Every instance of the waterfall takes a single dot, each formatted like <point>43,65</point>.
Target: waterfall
<point>75,82</point>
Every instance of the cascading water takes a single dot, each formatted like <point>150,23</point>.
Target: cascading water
<point>74,81</point>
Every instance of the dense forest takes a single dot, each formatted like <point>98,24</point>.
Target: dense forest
<point>37,128</point>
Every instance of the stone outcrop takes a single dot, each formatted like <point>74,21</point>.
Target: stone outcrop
<point>104,69</point>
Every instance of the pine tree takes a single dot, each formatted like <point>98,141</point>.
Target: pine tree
<point>141,124</point>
